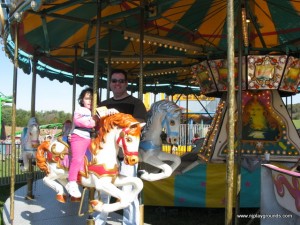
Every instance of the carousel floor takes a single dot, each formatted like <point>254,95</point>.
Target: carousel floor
<point>45,210</point>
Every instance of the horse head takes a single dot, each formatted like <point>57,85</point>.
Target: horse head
<point>128,141</point>
<point>33,132</point>
<point>171,121</point>
<point>126,131</point>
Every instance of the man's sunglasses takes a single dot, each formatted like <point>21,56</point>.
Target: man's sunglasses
<point>121,81</point>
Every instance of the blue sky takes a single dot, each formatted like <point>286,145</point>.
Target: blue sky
<point>50,95</point>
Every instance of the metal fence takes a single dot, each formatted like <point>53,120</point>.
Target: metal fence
<point>187,132</point>
<point>5,166</point>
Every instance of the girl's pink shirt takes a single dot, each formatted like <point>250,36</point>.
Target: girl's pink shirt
<point>83,118</point>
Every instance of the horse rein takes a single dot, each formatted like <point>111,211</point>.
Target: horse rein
<point>121,138</point>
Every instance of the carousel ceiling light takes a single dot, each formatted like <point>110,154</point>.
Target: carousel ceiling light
<point>36,5</point>
<point>166,71</point>
<point>146,59</point>
<point>163,42</point>
<point>245,27</point>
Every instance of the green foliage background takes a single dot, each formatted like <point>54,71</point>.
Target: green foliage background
<point>44,117</point>
<point>49,117</point>
<point>294,110</point>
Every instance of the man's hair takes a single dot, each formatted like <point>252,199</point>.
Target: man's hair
<point>119,71</point>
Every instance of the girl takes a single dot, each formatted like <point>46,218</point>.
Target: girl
<point>80,137</point>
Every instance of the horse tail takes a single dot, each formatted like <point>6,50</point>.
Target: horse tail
<point>41,160</point>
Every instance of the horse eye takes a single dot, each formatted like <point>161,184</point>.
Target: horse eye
<point>172,122</point>
<point>128,139</point>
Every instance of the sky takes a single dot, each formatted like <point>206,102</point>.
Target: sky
<point>50,95</point>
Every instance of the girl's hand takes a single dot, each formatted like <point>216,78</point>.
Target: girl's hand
<point>96,118</point>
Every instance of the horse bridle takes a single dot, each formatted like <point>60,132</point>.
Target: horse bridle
<point>121,138</point>
<point>164,123</point>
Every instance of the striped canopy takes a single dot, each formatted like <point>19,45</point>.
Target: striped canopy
<point>177,34</point>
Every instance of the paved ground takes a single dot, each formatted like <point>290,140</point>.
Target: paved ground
<point>45,210</point>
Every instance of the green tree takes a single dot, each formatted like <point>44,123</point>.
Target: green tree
<point>44,117</point>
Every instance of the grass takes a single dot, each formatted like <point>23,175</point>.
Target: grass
<point>158,215</point>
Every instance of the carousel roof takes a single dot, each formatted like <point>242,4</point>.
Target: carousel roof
<point>177,34</point>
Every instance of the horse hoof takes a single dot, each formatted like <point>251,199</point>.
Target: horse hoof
<point>96,205</point>
<point>61,198</point>
<point>73,199</point>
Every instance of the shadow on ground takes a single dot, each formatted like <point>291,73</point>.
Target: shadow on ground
<point>156,215</point>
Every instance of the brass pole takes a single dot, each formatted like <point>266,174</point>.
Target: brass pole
<point>95,89</point>
<point>33,87</point>
<point>140,94</point>
<point>141,78</point>
<point>96,61</point>
<point>29,175</point>
<point>239,119</point>
<point>13,128</point>
<point>74,80</point>
<point>231,104</point>
<point>108,65</point>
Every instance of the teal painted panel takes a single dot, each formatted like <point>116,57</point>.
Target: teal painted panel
<point>190,187</point>
<point>250,188</point>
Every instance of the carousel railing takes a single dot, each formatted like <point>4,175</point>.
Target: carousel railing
<point>186,134</point>
<point>5,165</point>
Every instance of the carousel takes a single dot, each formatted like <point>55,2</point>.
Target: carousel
<point>245,53</point>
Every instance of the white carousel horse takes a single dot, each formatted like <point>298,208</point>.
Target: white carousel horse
<point>101,172</point>
<point>29,143</point>
<point>166,115</point>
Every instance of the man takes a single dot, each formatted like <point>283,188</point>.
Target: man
<point>125,103</point>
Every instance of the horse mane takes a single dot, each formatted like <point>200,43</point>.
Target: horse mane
<point>121,120</point>
<point>159,107</point>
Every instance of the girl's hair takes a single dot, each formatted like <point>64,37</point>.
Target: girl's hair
<point>82,94</point>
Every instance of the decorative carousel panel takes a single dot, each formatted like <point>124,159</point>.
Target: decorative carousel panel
<point>286,188</point>
<point>291,77</point>
<point>204,78</point>
<point>265,72</point>
<point>267,128</point>
<point>219,69</point>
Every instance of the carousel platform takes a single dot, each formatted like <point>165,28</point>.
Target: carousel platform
<point>45,210</point>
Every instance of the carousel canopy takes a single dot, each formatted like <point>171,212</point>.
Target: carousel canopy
<point>177,34</point>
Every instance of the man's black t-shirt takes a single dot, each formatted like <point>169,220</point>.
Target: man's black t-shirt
<point>128,105</point>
